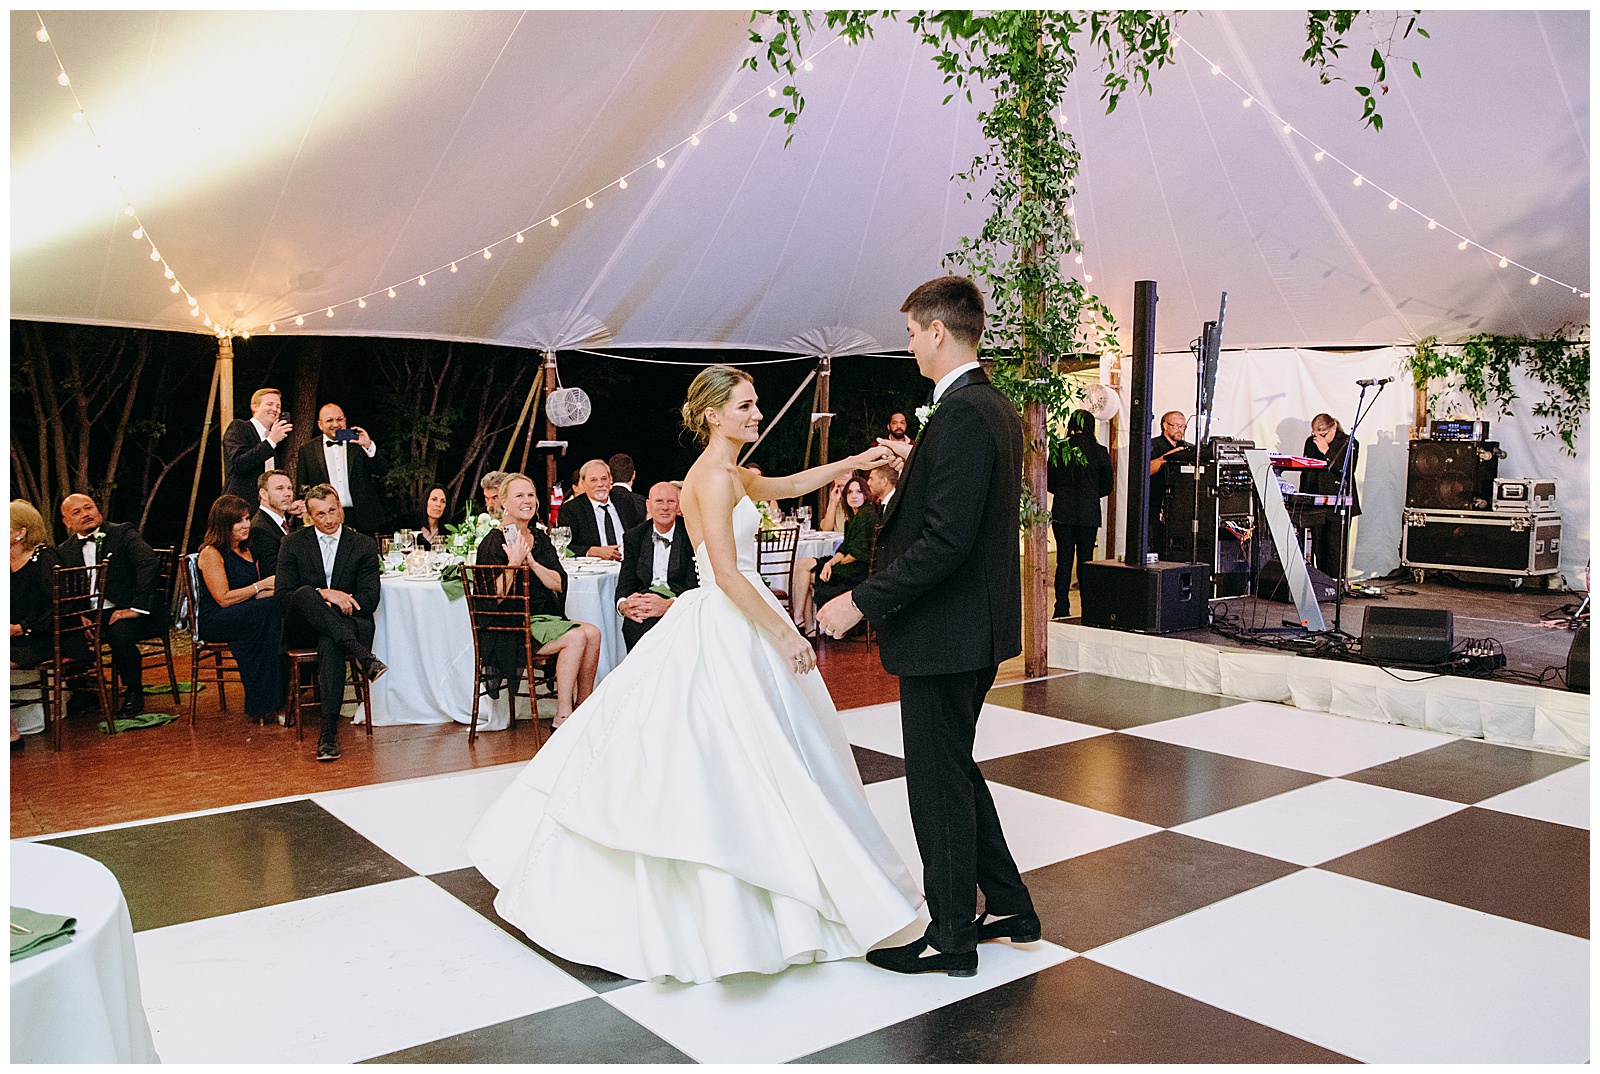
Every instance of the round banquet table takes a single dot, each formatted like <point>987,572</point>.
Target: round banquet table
<point>426,639</point>
<point>78,1003</point>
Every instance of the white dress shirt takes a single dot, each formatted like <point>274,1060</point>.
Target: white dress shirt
<point>946,380</point>
<point>601,511</point>
<point>339,467</point>
<point>270,463</point>
<point>662,543</point>
<point>329,543</point>
<point>280,520</point>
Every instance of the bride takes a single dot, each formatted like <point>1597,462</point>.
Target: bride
<point>701,814</point>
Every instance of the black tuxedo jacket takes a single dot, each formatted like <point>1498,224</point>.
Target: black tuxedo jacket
<point>577,514</point>
<point>641,506</point>
<point>246,454</point>
<point>946,591</point>
<point>355,567</point>
<point>265,537</point>
<point>638,561</point>
<point>132,571</point>
<point>366,511</point>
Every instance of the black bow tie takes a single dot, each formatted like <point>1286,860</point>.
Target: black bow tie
<point>331,443</point>
<point>663,538</point>
<point>86,538</point>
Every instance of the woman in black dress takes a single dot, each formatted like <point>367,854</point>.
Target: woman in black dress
<point>576,645</point>
<point>1076,488</point>
<point>431,533</point>
<point>32,561</point>
<point>236,606</point>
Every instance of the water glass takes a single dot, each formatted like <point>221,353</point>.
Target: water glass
<point>561,537</point>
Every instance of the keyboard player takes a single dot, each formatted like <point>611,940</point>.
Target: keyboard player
<point>1316,508</point>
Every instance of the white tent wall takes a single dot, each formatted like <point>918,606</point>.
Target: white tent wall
<point>1270,396</point>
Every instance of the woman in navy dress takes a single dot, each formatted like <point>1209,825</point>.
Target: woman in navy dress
<point>236,606</point>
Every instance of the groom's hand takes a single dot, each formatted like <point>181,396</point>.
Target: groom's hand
<point>901,448</point>
<point>838,615</point>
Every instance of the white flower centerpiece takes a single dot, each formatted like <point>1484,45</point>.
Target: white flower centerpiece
<point>461,540</point>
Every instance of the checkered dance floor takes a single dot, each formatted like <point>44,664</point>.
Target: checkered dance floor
<point>1218,881</point>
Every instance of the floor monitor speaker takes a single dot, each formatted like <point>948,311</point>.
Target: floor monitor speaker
<point>1272,585</point>
<point>1408,635</point>
<point>1157,598</point>
<point>1578,661</point>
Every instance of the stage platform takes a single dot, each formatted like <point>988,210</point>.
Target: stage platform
<point>1510,706</point>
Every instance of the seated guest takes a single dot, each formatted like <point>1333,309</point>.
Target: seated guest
<point>833,515</point>
<point>576,645</point>
<point>431,532</point>
<point>33,559</point>
<point>881,483</point>
<point>622,475</point>
<point>328,587</point>
<point>278,514</point>
<point>596,518</point>
<point>236,605</point>
<point>817,582</point>
<point>657,565</point>
<point>129,611</point>
<point>490,484</point>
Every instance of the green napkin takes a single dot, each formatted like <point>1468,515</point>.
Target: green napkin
<point>141,721</point>
<point>663,591</point>
<point>450,581</point>
<point>33,932</point>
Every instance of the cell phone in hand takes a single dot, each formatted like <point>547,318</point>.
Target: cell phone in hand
<point>344,436</point>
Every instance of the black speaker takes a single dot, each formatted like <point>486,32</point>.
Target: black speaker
<point>1446,475</point>
<point>1157,598</point>
<point>1578,661</point>
<point>1408,635</point>
<point>1271,584</point>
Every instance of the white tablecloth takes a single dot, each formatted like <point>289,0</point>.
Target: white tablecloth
<point>78,1003</point>
<point>426,639</point>
<point>817,544</point>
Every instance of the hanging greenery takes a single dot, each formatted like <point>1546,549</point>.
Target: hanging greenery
<point>1479,366</point>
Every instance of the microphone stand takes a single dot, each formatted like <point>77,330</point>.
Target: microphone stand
<point>1346,488</point>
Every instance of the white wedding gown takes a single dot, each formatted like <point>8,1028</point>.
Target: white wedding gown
<point>700,814</point>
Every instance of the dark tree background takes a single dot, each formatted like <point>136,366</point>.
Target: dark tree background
<point>118,412</point>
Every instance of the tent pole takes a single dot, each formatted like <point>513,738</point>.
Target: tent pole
<point>224,347</point>
<point>824,374</point>
<point>549,426</point>
<point>773,424</point>
<point>527,405</point>
<point>811,430</point>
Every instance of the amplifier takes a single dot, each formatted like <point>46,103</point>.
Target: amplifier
<point>1159,598</point>
<point>1535,494</point>
<point>1458,430</point>
<point>1496,542</point>
<point>1452,476</point>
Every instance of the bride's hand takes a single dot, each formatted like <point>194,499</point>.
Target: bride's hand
<point>874,457</point>
<point>797,652</point>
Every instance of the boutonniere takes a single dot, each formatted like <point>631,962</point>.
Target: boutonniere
<point>99,543</point>
<point>924,415</point>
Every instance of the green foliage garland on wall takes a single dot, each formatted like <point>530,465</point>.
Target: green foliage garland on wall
<point>1480,366</point>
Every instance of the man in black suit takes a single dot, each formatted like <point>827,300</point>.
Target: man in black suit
<point>250,445</point>
<point>129,610</point>
<point>278,515</point>
<point>1327,525</point>
<point>330,459</point>
<point>328,584</point>
<point>946,595</point>
<point>622,477</point>
<point>597,520</point>
<point>657,565</point>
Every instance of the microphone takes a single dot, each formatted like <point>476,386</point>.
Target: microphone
<point>1371,382</point>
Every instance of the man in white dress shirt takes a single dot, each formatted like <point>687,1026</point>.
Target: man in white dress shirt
<point>657,565</point>
<point>347,459</point>
<point>596,519</point>
<point>880,486</point>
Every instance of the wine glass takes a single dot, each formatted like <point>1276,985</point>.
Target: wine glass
<point>804,516</point>
<point>405,540</point>
<point>561,536</point>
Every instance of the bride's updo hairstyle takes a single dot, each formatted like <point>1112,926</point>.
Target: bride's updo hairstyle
<point>712,388</point>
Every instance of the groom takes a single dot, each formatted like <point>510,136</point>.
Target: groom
<point>946,595</point>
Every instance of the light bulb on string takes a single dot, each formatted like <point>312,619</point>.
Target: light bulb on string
<point>660,163</point>
<point>809,66</point>
<point>555,221</point>
<point>155,255</point>
<point>520,238</point>
<point>1504,262</point>
<point>175,288</point>
<point>138,232</point>
<point>391,292</point>
<point>63,79</point>
<point>42,34</point>
<point>169,274</point>
<point>1357,181</point>
<point>330,311</point>
<point>1288,128</point>
<point>1248,101</point>
<point>453,267</point>
<point>422,281</point>
<point>77,117</point>
<point>771,92</point>
<point>208,321</point>
<point>622,184</point>
<point>272,327</point>
<point>1433,225</point>
<point>588,203</point>
<point>193,301</point>
<point>733,117</point>
<point>1462,245</point>
<point>694,139</point>
<point>127,207</point>
<point>487,253</point>
<point>194,312</point>
<point>1535,281</point>
<point>299,321</point>
<point>1088,278</point>
<point>1394,203</point>
<point>1319,155</point>
<point>1215,69</point>
<point>361,303</point>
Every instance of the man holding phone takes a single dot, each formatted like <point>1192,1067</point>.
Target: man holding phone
<point>346,458</point>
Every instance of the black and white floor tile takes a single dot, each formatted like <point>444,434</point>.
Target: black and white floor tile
<point>1219,882</point>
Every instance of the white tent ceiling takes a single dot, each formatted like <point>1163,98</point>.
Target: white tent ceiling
<point>285,163</point>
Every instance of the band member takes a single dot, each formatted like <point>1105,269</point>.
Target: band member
<point>1326,524</point>
<point>1170,442</point>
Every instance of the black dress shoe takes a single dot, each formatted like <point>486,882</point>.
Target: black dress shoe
<point>328,750</point>
<point>132,705</point>
<point>920,956</point>
<point>374,669</point>
<point>1018,928</point>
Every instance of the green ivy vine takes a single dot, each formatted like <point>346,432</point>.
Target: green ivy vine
<point>1480,367</point>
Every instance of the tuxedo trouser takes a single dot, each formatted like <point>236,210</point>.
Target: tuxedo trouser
<point>1072,543</point>
<point>958,830</point>
<point>338,637</point>
<point>123,637</point>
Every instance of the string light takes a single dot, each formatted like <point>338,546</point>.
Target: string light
<point>588,203</point>
<point>622,184</point>
<point>391,292</point>
<point>299,320</point>
<point>1358,180</point>
<point>422,281</point>
<point>520,238</point>
<point>63,79</point>
<point>733,117</point>
<point>42,34</point>
<point>555,222</point>
<point>660,163</point>
<point>330,311</point>
<point>487,253</point>
<point>361,303</point>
